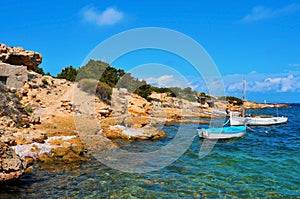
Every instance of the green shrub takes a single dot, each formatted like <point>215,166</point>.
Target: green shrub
<point>28,109</point>
<point>92,70</point>
<point>44,81</point>
<point>68,73</point>
<point>104,91</point>
<point>39,70</point>
<point>187,93</point>
<point>231,99</point>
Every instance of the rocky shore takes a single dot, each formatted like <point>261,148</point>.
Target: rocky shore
<point>39,121</point>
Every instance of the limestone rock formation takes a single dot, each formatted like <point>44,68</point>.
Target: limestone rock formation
<point>19,56</point>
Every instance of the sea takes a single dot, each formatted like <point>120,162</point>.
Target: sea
<point>265,163</point>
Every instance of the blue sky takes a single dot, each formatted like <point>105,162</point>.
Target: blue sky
<point>255,40</point>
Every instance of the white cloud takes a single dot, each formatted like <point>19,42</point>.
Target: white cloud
<point>235,86</point>
<point>264,83</point>
<point>260,86</point>
<point>261,13</point>
<point>268,84</point>
<point>109,16</point>
<point>257,82</point>
<point>167,81</point>
<point>278,84</point>
<point>287,84</point>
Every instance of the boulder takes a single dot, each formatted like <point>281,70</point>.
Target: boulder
<point>19,56</point>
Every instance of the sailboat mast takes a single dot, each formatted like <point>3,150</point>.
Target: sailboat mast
<point>244,98</point>
<point>244,90</point>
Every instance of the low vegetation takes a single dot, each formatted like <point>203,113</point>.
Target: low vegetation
<point>41,71</point>
<point>29,109</point>
<point>44,81</point>
<point>231,100</point>
<point>68,73</point>
<point>109,77</point>
<point>98,76</point>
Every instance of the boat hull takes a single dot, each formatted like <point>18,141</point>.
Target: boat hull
<point>257,121</point>
<point>222,133</point>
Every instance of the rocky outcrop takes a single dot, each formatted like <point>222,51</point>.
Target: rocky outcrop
<point>11,165</point>
<point>55,148</point>
<point>12,116</point>
<point>145,133</point>
<point>12,112</point>
<point>19,56</point>
<point>139,106</point>
<point>124,102</point>
<point>165,106</point>
<point>129,127</point>
<point>165,101</point>
<point>34,125</point>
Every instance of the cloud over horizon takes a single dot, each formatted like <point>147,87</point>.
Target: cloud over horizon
<point>259,85</point>
<point>262,83</point>
<point>109,16</point>
<point>256,82</point>
<point>260,13</point>
<point>167,81</point>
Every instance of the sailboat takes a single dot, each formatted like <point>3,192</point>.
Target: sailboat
<point>254,120</point>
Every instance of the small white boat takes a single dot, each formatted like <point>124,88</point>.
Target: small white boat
<point>222,133</point>
<point>256,121</point>
<point>236,120</point>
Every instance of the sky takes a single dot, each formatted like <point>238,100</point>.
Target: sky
<point>253,40</point>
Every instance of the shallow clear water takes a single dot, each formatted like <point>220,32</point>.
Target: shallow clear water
<point>263,164</point>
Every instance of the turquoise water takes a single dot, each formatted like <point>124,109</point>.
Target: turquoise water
<point>263,164</point>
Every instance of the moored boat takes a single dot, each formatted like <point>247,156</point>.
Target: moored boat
<point>257,121</point>
<point>222,133</point>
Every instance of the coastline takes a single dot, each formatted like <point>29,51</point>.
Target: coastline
<point>52,105</point>
<point>48,119</point>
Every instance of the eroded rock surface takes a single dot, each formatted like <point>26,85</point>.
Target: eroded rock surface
<point>12,112</point>
<point>19,56</point>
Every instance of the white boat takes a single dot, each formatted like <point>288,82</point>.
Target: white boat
<point>236,120</point>
<point>222,133</point>
<point>256,121</point>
